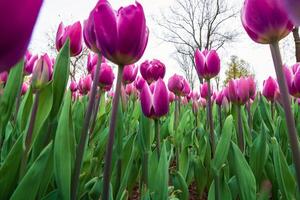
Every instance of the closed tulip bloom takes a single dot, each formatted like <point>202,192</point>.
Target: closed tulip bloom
<point>238,91</point>
<point>73,86</point>
<point>17,19</point>
<point>139,83</point>
<point>265,21</point>
<point>155,104</point>
<point>89,34</point>
<point>202,102</point>
<point>74,33</point>
<point>111,94</point>
<point>292,7</point>
<point>219,98</point>
<point>91,62</point>
<point>171,97</point>
<point>252,87</point>
<point>85,84</point>
<point>29,63</point>
<point>121,35</point>
<point>42,72</point>
<point>106,77</point>
<point>184,101</point>
<point>292,76</point>
<point>178,85</point>
<point>195,106</point>
<point>152,70</point>
<point>270,89</point>
<point>3,77</point>
<point>207,63</point>
<point>129,74</point>
<point>204,90</point>
<point>24,88</point>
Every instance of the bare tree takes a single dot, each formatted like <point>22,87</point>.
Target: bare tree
<point>192,24</point>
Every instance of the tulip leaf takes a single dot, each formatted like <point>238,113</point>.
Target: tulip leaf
<point>64,150</point>
<point>25,108</point>
<point>30,183</point>
<point>10,94</point>
<point>180,184</point>
<point>60,77</point>
<point>223,144</point>
<point>265,114</point>
<point>244,175</point>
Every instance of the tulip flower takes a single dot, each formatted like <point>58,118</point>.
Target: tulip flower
<point>106,77</point>
<point>204,90</point>
<point>178,85</point>
<point>129,74</point>
<point>85,84</point>
<point>73,86</point>
<point>152,70</point>
<point>42,72</point>
<point>207,63</point>
<point>17,19</point>
<point>202,102</point>
<point>252,87</point>
<point>171,97</point>
<point>91,62</point>
<point>270,89</point>
<point>238,91</point>
<point>292,7</point>
<point>220,98</point>
<point>73,32</point>
<point>3,77</point>
<point>29,63</point>
<point>139,83</point>
<point>24,88</point>
<point>155,104</point>
<point>121,35</point>
<point>270,24</point>
<point>292,76</point>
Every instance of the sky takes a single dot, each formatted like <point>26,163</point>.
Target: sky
<point>69,11</point>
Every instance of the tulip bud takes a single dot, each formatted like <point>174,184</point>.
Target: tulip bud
<point>202,102</point>
<point>3,77</point>
<point>85,84</point>
<point>219,98</point>
<point>152,70</point>
<point>139,83</point>
<point>121,35</point>
<point>24,88</point>
<point>204,90</point>
<point>73,32</point>
<point>238,91</point>
<point>252,87</point>
<point>195,106</point>
<point>293,79</point>
<point>155,104</point>
<point>29,63</point>
<point>207,63</point>
<point>265,21</point>
<point>129,74</point>
<point>106,77</point>
<point>171,97</point>
<point>270,89</point>
<point>73,86</point>
<point>178,85</point>
<point>91,62</point>
<point>42,72</point>
<point>17,19</point>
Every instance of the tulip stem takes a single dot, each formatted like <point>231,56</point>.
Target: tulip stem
<point>84,132</point>
<point>177,143</point>
<point>240,129</point>
<point>111,137</point>
<point>287,107</point>
<point>220,118</point>
<point>18,101</point>
<point>210,118</point>
<point>95,112</point>
<point>28,138</point>
<point>272,110</point>
<point>157,136</point>
<point>248,107</point>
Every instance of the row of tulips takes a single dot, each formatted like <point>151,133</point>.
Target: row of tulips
<point>146,138</point>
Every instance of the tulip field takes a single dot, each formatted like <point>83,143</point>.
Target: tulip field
<point>135,133</point>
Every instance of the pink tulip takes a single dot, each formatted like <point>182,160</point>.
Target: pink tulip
<point>219,98</point>
<point>85,84</point>
<point>155,104</point>
<point>73,86</point>
<point>292,7</point>
<point>292,76</point>
<point>171,97</point>
<point>17,20</point>
<point>265,21</point>
<point>202,102</point>
<point>3,77</point>
<point>270,89</point>
<point>122,35</point>
<point>29,63</point>
<point>129,74</point>
<point>91,62</point>
<point>106,77</point>
<point>74,33</point>
<point>204,90</point>
<point>24,88</point>
<point>152,70</point>
<point>42,72</point>
<point>207,63</point>
<point>238,91</point>
<point>178,85</point>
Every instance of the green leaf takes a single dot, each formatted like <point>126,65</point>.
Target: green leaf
<point>64,150</point>
<point>224,190</point>
<point>265,113</point>
<point>244,175</point>
<point>9,171</point>
<point>286,181</point>
<point>60,77</point>
<point>25,108</point>
<point>10,94</point>
<point>180,184</point>
<point>223,145</point>
<point>28,187</point>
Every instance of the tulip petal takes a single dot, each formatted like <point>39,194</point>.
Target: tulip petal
<point>160,99</point>
<point>146,100</point>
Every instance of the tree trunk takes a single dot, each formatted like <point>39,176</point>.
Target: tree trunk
<point>297,43</point>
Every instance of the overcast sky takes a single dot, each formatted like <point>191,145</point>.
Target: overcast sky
<point>68,11</point>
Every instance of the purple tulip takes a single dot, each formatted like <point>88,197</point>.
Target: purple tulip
<point>29,63</point>
<point>85,84</point>
<point>219,98</point>
<point>265,21</point>
<point>17,19</point>
<point>252,87</point>
<point>152,70</point>
<point>106,77</point>
<point>3,77</point>
<point>178,85</point>
<point>24,88</point>
<point>73,86</point>
<point>171,97</point>
<point>292,7</point>
<point>202,102</point>
<point>270,89</point>
<point>139,83</point>
<point>129,74</point>
<point>238,91</point>
<point>195,106</point>
<point>204,90</point>
<point>207,63</point>
<point>91,62</point>
<point>155,104</point>
<point>292,76</point>
<point>74,33</point>
<point>42,72</point>
<point>89,34</point>
<point>121,35</point>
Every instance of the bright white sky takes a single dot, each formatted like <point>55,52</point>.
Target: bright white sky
<point>68,11</point>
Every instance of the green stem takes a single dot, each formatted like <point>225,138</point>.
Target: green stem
<point>157,137</point>
<point>240,130</point>
<point>287,107</point>
<point>84,133</point>
<point>111,137</point>
<point>18,102</point>
<point>220,118</point>
<point>176,116</point>
<point>210,118</point>
<point>95,113</point>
